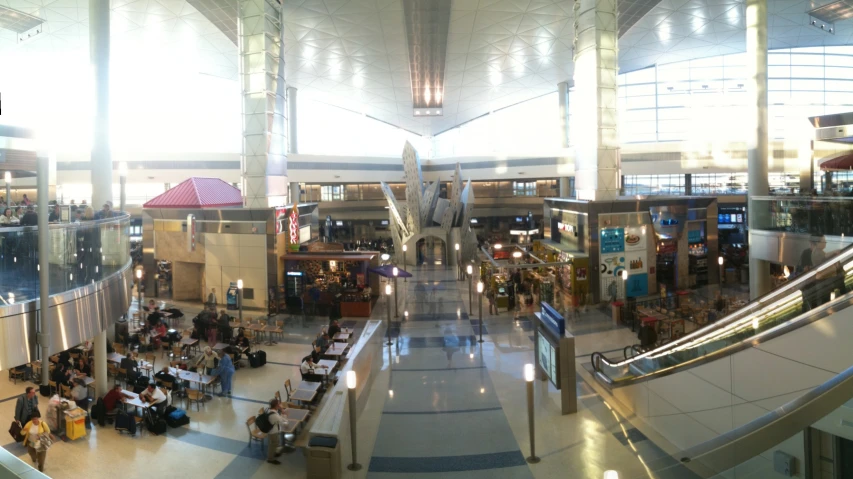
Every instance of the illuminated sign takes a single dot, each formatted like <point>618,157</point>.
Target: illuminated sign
<point>524,232</point>
<point>294,229</point>
<point>294,273</point>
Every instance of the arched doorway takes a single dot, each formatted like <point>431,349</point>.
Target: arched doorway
<point>431,250</point>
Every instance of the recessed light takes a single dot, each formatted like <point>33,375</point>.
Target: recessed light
<point>427,112</point>
<point>417,112</point>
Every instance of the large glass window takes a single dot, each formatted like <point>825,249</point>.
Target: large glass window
<point>332,193</point>
<point>524,188</point>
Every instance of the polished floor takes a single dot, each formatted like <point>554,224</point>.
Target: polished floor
<point>444,406</point>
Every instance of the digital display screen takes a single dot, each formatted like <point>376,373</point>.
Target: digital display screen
<point>339,223</point>
<point>518,219</point>
<point>548,358</point>
<point>384,222</point>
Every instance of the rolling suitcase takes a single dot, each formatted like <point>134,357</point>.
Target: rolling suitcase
<point>254,360</point>
<point>154,423</point>
<point>125,423</point>
<point>262,357</point>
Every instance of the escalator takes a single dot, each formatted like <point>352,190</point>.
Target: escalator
<point>730,374</point>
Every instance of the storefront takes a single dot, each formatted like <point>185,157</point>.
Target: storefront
<point>638,244</point>
<point>321,279</point>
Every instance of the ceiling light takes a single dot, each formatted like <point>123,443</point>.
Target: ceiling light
<point>427,112</point>
<point>417,112</point>
<point>427,95</point>
<point>438,112</point>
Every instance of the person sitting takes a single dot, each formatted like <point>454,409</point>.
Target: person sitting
<point>80,394</point>
<point>322,341</point>
<point>334,328</point>
<point>113,399</point>
<point>154,318</point>
<point>61,375</point>
<point>154,397</point>
<point>55,215</point>
<point>308,368</point>
<point>243,342</point>
<point>165,376</point>
<point>30,218</point>
<point>8,219</point>
<point>316,354</point>
<point>151,306</point>
<point>129,364</point>
<point>83,367</point>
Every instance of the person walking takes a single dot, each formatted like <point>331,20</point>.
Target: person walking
<point>38,439</point>
<point>277,417</point>
<point>490,295</point>
<point>211,299</point>
<point>25,405</point>
<point>225,371</point>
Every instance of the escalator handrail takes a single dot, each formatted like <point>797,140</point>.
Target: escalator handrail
<point>843,256</point>
<point>803,319</point>
<point>763,433</point>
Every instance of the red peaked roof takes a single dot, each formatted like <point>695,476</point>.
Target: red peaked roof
<point>198,193</point>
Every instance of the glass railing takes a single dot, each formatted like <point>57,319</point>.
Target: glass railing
<point>830,280</point>
<point>80,254</point>
<point>815,215</point>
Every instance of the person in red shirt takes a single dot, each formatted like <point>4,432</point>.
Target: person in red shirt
<point>113,399</point>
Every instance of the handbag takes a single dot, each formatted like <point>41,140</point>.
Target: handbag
<point>15,431</point>
<point>44,442</point>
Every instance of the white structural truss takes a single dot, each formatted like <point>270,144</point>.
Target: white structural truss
<point>426,213</point>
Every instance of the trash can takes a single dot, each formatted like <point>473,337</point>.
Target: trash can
<point>75,426</point>
<point>616,306</point>
<point>323,458</point>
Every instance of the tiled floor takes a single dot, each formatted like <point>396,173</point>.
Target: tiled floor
<point>444,406</point>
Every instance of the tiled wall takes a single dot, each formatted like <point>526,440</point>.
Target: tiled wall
<point>229,257</point>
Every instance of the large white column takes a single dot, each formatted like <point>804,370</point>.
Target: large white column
<point>757,141</point>
<point>264,158</point>
<point>102,163</point>
<point>594,109</point>
<point>563,94</point>
<point>291,120</point>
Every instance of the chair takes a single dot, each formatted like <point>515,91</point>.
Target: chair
<point>37,369</point>
<point>15,374</point>
<point>177,351</point>
<point>140,424</point>
<point>119,348</point>
<point>288,388</point>
<point>194,396</point>
<point>53,387</point>
<point>278,395</point>
<point>293,405</point>
<point>150,358</point>
<point>122,375</point>
<point>255,434</point>
<point>168,384</point>
<point>65,391</point>
<point>279,323</point>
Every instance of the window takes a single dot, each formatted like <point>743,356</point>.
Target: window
<point>524,188</point>
<point>332,193</point>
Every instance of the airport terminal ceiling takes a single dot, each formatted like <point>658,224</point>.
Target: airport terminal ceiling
<point>353,54</point>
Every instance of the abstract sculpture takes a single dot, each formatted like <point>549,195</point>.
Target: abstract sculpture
<point>425,213</point>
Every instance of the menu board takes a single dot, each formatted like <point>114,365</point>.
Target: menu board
<point>612,240</point>
<point>548,359</point>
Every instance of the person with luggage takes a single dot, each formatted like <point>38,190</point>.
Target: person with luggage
<point>25,405</point>
<point>270,422</point>
<point>155,398</point>
<point>225,371</point>
<point>113,399</point>
<point>38,438</point>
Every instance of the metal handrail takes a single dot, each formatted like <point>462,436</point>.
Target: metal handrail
<point>839,260</point>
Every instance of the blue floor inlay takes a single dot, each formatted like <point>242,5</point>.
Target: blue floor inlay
<point>241,467</point>
<point>283,364</point>
<point>634,435</point>
<point>438,341</point>
<point>447,463</point>
<point>436,369</point>
<point>459,411</point>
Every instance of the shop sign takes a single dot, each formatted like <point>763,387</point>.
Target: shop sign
<point>552,320</point>
<point>524,232</point>
<point>294,229</point>
<point>694,236</point>
<point>280,219</point>
<point>566,227</point>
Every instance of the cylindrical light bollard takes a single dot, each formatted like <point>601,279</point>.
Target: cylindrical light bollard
<point>480,295</point>
<point>470,271</point>
<point>528,378</point>
<point>396,271</point>
<point>240,297</point>
<point>388,307</point>
<point>458,263</point>
<point>354,466</point>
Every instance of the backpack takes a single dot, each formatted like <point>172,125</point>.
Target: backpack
<point>263,422</point>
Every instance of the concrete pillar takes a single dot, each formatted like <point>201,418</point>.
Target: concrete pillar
<point>565,187</point>
<point>101,164</point>
<point>44,265</point>
<point>291,120</point>
<point>594,109</point>
<point>261,66</point>
<point>563,93</point>
<point>757,139</point>
<point>294,192</point>
<point>807,172</point>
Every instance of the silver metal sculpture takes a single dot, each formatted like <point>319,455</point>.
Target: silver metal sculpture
<point>426,213</point>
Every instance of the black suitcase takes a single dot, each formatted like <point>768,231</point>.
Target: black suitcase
<point>173,423</point>
<point>262,357</point>
<point>125,423</point>
<point>254,360</point>
<point>99,412</point>
<point>154,423</point>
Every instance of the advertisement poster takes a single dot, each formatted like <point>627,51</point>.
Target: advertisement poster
<point>635,239</point>
<point>637,285</point>
<point>612,240</point>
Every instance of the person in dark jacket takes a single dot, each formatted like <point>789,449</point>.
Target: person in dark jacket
<point>30,218</point>
<point>61,375</point>
<point>647,335</point>
<point>129,364</point>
